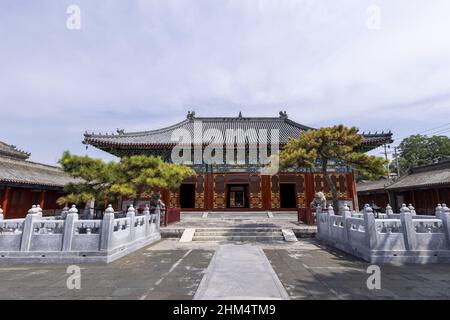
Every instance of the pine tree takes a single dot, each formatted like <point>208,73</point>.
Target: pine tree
<point>320,147</point>
<point>137,175</point>
<point>93,179</point>
<point>131,177</point>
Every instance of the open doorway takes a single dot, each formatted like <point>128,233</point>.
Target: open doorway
<point>237,196</point>
<point>287,196</point>
<point>187,196</point>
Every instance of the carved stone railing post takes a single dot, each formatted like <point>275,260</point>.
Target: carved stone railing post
<point>443,213</point>
<point>370,227</point>
<point>1,213</point>
<point>147,220</point>
<point>409,234</point>
<point>27,231</point>
<point>389,211</point>
<point>64,212</point>
<point>39,210</point>
<point>412,209</point>
<point>69,223</point>
<point>131,213</point>
<point>346,213</point>
<point>318,214</point>
<point>107,229</point>
<point>330,211</point>
<point>438,210</point>
<point>158,218</point>
<point>91,209</point>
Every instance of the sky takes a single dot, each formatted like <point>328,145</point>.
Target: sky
<point>141,65</point>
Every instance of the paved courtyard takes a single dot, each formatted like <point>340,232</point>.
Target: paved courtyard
<point>173,270</point>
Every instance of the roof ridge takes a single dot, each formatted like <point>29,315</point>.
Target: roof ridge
<point>443,164</point>
<point>136,133</point>
<point>11,150</point>
<point>193,119</point>
<point>27,162</point>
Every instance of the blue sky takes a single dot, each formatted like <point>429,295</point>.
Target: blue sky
<point>142,65</point>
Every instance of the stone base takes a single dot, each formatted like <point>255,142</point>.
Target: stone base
<point>75,257</point>
<point>395,256</point>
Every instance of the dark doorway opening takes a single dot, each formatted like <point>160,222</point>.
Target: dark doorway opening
<point>187,196</point>
<point>287,195</point>
<point>237,196</point>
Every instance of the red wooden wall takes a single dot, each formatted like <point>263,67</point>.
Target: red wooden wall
<point>16,201</point>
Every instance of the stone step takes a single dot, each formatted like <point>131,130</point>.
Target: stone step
<point>237,238</point>
<point>238,233</point>
<point>262,229</point>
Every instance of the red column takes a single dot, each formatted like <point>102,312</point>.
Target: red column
<point>42,201</point>
<point>209,192</point>
<point>309,186</point>
<point>351,184</point>
<point>165,196</point>
<point>5,202</point>
<point>265,191</point>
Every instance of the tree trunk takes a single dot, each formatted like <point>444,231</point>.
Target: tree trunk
<point>330,185</point>
<point>89,209</point>
<point>136,200</point>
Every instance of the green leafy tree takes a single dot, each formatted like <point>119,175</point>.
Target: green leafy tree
<point>131,176</point>
<point>324,146</point>
<point>93,181</point>
<point>419,150</point>
<point>137,175</point>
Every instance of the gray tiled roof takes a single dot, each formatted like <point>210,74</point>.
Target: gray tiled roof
<point>287,128</point>
<point>8,150</point>
<point>366,186</point>
<point>27,172</point>
<point>432,175</point>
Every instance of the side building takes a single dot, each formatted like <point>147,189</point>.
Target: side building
<point>422,186</point>
<point>236,186</point>
<point>24,183</point>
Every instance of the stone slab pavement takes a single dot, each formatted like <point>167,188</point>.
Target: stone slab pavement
<point>173,270</point>
<point>240,272</point>
<point>326,273</point>
<point>144,274</point>
<point>236,220</point>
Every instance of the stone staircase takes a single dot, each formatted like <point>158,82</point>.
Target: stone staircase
<point>238,234</point>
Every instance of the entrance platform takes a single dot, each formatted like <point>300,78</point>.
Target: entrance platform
<point>239,220</point>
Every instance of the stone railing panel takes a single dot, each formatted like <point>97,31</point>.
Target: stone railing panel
<point>47,235</point>
<point>67,239</point>
<point>388,226</point>
<point>140,226</point>
<point>86,235</point>
<point>337,228</point>
<point>87,226</point>
<point>12,226</point>
<point>122,231</point>
<point>404,237</point>
<point>48,227</point>
<point>430,234</point>
<point>389,234</point>
<point>356,232</point>
<point>11,234</point>
<point>356,224</point>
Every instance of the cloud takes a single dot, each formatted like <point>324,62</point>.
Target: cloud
<point>142,64</point>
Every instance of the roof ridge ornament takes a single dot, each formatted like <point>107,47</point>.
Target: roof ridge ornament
<point>190,115</point>
<point>240,114</point>
<point>283,115</point>
<point>120,131</point>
